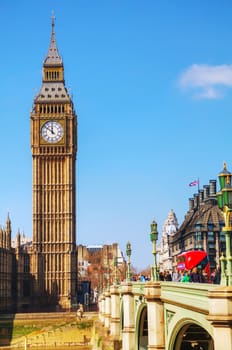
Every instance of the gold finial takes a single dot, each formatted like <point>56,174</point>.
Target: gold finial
<point>224,166</point>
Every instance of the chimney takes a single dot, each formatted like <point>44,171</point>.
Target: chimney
<point>196,200</point>
<point>206,192</point>
<point>191,203</point>
<point>201,196</point>
<point>212,188</point>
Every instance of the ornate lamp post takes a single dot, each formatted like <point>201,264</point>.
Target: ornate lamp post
<point>154,238</point>
<point>128,253</point>
<point>116,270</point>
<point>224,197</point>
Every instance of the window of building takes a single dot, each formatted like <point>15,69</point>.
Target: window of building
<point>222,236</point>
<point>210,226</point>
<point>211,237</point>
<point>26,288</point>
<point>26,266</point>
<point>198,236</point>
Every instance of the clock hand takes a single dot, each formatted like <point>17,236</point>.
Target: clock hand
<point>50,128</point>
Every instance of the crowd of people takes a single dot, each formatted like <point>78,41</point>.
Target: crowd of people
<point>195,275</point>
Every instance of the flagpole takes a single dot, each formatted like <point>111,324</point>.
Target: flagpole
<point>198,192</point>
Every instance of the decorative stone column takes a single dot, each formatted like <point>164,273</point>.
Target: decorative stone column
<point>102,308</point>
<point>220,315</point>
<point>115,312</point>
<point>128,337</point>
<point>155,316</point>
<point>107,308</point>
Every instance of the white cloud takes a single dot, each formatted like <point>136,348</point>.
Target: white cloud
<point>207,81</point>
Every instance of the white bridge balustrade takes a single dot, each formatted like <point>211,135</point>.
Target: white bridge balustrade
<point>165,316</point>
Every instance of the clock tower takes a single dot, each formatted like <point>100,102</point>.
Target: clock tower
<point>54,147</point>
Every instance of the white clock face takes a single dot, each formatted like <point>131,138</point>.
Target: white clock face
<point>52,131</point>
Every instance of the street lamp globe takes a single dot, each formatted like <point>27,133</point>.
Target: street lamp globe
<point>154,232</point>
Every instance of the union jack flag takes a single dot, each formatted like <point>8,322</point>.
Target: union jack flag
<point>194,183</point>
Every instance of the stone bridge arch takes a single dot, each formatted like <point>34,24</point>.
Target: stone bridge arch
<point>141,331</point>
<point>190,334</point>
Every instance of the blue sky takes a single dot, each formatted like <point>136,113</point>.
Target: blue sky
<point>152,87</point>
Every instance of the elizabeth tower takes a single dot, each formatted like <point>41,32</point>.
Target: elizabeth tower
<point>54,147</point>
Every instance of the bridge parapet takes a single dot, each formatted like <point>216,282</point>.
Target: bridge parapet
<point>194,296</point>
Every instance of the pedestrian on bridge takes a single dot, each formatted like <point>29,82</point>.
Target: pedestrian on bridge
<point>186,276</point>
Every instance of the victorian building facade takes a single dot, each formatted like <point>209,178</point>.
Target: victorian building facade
<point>201,228</point>
<point>101,264</point>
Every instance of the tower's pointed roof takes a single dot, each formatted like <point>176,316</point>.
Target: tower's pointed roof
<point>171,224</point>
<point>53,57</point>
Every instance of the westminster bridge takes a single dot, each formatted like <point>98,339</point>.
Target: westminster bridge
<point>165,316</point>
